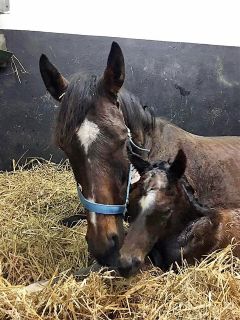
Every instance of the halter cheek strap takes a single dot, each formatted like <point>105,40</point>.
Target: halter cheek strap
<point>61,96</point>
<point>131,141</point>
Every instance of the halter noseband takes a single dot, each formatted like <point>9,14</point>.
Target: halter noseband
<point>110,209</point>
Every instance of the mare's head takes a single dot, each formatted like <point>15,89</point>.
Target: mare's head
<point>154,199</point>
<point>91,130</point>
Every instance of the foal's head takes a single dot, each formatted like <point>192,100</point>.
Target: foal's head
<point>154,199</point>
<point>91,130</point>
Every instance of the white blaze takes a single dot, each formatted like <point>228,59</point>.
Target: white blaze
<point>92,215</point>
<point>87,133</point>
<point>147,201</point>
<point>93,218</point>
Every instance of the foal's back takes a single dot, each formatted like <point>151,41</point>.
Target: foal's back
<point>213,167</point>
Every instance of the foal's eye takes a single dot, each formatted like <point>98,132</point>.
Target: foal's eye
<point>167,211</point>
<point>153,189</point>
<point>117,104</point>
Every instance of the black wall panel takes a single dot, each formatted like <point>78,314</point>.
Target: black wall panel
<point>195,86</point>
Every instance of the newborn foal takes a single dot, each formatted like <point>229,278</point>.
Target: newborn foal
<point>165,215</point>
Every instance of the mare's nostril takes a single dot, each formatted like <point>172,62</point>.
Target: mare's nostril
<point>114,241</point>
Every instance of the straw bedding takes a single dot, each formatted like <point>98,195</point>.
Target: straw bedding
<point>33,247</point>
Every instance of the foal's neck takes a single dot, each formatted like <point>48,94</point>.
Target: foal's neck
<point>184,211</point>
<point>191,207</point>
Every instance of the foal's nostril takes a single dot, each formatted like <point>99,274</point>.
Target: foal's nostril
<point>129,266</point>
<point>136,263</point>
<point>125,267</point>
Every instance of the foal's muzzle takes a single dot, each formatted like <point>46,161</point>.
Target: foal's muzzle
<point>128,266</point>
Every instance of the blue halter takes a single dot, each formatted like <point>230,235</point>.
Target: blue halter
<point>110,209</point>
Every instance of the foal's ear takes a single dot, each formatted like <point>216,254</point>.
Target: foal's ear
<point>114,73</point>
<point>136,160</point>
<point>54,82</point>
<point>178,167</point>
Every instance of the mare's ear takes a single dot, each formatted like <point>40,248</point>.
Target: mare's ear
<point>138,163</point>
<point>178,167</point>
<point>54,82</point>
<point>114,73</point>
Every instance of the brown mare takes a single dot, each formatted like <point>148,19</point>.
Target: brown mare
<point>91,130</point>
<point>166,215</point>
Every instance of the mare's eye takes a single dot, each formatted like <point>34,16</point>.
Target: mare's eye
<point>122,142</point>
<point>117,104</point>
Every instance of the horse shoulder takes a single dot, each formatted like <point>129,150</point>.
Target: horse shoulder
<point>213,163</point>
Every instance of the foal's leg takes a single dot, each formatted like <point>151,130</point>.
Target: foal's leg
<point>198,239</point>
<point>155,255</point>
<point>171,253</point>
<point>166,253</point>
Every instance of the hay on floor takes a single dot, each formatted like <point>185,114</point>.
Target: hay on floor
<point>33,247</point>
